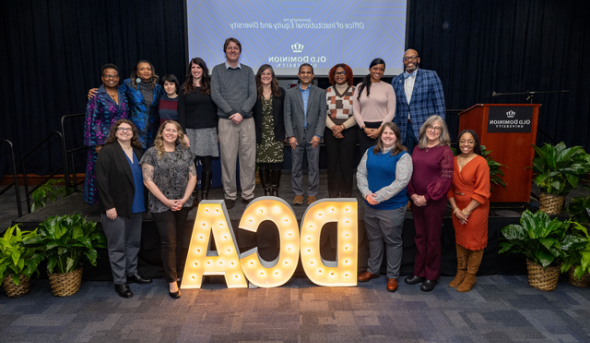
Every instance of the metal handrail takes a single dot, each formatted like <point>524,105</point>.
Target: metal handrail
<point>64,162</point>
<point>70,152</point>
<point>15,182</point>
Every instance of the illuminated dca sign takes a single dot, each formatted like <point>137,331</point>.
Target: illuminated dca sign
<point>212,219</point>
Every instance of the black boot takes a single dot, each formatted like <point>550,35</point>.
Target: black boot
<point>275,182</point>
<point>205,184</point>
<point>265,180</point>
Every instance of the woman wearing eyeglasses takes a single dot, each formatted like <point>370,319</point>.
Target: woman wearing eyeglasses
<point>102,111</point>
<point>122,200</point>
<point>433,174</point>
<point>339,136</point>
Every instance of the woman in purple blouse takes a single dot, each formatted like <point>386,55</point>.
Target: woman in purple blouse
<point>433,174</point>
<point>102,111</point>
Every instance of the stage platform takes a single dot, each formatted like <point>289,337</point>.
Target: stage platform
<point>266,239</point>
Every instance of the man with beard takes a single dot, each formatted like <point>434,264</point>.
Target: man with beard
<point>419,95</point>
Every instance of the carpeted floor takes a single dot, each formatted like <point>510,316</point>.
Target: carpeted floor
<point>499,309</point>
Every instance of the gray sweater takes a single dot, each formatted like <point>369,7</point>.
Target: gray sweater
<point>233,90</point>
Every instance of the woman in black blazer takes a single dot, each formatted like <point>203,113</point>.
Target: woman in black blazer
<point>270,129</point>
<point>122,198</point>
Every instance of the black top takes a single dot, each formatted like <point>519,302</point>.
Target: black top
<point>196,110</point>
<point>277,114</point>
<point>114,179</point>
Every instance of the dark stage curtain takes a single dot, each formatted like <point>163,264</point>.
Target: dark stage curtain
<point>504,46</point>
<point>52,51</point>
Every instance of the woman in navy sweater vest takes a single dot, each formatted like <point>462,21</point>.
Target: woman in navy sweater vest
<point>382,176</point>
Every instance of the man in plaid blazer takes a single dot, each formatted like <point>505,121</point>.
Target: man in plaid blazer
<point>419,95</point>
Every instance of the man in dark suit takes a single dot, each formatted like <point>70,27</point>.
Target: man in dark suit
<point>419,95</point>
<point>305,118</point>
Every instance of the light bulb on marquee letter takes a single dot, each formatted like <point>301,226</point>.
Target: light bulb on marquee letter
<point>212,217</point>
<point>343,271</point>
<point>274,273</point>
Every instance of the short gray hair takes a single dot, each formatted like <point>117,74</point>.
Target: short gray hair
<point>444,138</point>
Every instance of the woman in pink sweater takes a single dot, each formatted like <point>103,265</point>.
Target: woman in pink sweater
<point>373,105</point>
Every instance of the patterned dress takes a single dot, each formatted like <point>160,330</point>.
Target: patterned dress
<point>269,150</point>
<point>144,116</point>
<point>101,113</point>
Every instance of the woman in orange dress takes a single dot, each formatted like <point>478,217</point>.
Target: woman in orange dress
<point>469,196</point>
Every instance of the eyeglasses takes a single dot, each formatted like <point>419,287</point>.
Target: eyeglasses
<point>340,73</point>
<point>106,76</point>
<point>411,58</point>
<point>434,128</point>
<point>124,129</point>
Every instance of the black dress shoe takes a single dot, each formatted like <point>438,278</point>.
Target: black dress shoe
<point>247,201</point>
<point>123,290</point>
<point>135,278</point>
<point>412,280</point>
<point>428,285</point>
<point>229,204</point>
<point>174,295</point>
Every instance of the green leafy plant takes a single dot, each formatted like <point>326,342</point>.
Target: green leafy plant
<point>558,168</point>
<point>578,210</point>
<point>580,258</point>
<point>495,172</point>
<point>541,240</point>
<point>47,192</point>
<point>19,253</point>
<point>70,240</point>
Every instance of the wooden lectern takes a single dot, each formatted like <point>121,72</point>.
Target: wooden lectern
<point>509,131</point>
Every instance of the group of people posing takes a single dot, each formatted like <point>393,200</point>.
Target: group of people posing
<point>140,132</point>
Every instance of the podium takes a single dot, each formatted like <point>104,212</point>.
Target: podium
<point>508,130</point>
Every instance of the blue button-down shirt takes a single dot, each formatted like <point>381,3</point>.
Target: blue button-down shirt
<point>305,95</point>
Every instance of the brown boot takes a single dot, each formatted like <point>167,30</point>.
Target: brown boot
<point>462,256</point>
<point>472,268</point>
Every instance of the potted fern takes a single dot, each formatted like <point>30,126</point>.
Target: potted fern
<point>558,170</point>
<point>19,258</point>
<point>544,242</point>
<point>69,241</point>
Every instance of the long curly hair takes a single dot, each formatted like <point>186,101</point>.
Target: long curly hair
<point>153,80</point>
<point>367,79</point>
<point>398,142</point>
<point>159,141</point>
<point>274,84</point>
<point>189,86</point>
<point>347,70</point>
<point>113,133</point>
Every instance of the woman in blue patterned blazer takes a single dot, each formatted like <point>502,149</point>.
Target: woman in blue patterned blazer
<point>143,93</point>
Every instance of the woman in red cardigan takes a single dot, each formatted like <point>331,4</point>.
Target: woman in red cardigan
<point>433,173</point>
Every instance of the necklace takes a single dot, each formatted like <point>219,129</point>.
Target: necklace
<point>465,159</point>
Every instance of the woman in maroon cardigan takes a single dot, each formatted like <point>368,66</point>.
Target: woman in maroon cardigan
<point>431,180</point>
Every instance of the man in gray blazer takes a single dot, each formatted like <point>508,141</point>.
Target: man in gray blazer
<point>305,119</point>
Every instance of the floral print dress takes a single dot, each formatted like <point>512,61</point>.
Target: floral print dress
<point>269,150</point>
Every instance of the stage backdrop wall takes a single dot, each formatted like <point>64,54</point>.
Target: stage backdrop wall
<point>51,53</point>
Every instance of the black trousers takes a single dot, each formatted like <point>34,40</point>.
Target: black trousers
<point>175,239</point>
<point>364,141</point>
<point>340,153</point>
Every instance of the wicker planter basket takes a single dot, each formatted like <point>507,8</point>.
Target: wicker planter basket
<point>551,203</point>
<point>66,284</point>
<point>14,291</point>
<point>584,282</point>
<point>542,279</point>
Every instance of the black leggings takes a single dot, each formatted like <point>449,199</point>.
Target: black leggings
<point>205,162</point>
<point>175,239</point>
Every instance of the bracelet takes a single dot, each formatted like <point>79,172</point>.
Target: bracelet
<point>467,214</point>
<point>456,209</point>
<point>343,127</point>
